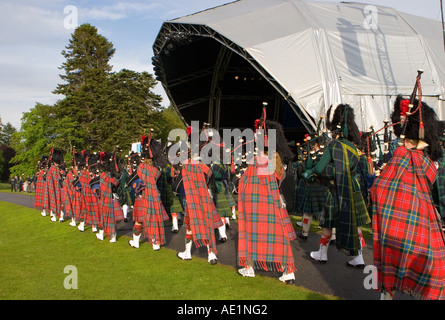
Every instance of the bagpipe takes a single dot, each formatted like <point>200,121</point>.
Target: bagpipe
<point>377,162</point>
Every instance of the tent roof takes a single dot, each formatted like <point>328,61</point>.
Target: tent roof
<point>301,57</point>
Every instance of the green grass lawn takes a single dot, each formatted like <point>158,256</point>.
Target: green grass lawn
<point>34,253</point>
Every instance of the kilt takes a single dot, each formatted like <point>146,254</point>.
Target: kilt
<point>220,190</point>
<point>264,228</point>
<point>39,191</point>
<point>408,240</point>
<point>200,209</point>
<point>54,190</point>
<point>92,210</point>
<point>312,198</point>
<point>299,195</point>
<point>177,204</point>
<point>152,207</point>
<point>163,185</point>
<point>138,211</point>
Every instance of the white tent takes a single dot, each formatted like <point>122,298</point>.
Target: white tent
<point>313,54</point>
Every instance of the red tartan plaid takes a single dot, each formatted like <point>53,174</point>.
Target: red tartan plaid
<point>107,204</point>
<point>151,204</point>
<point>200,208</point>
<point>118,212</point>
<point>83,179</point>
<point>408,239</point>
<point>91,209</point>
<point>39,191</point>
<point>45,187</point>
<point>54,190</point>
<point>264,227</point>
<point>68,194</point>
<point>138,210</point>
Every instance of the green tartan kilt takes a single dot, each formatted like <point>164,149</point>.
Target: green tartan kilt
<point>176,206</point>
<point>312,198</point>
<point>230,199</point>
<point>222,204</point>
<point>299,196</point>
<point>328,218</point>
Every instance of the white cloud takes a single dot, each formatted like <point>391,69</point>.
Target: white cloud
<point>119,10</point>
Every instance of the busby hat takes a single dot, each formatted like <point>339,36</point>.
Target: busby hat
<point>56,156</point>
<point>341,119</point>
<point>441,125</point>
<point>282,144</point>
<point>94,162</point>
<point>408,125</point>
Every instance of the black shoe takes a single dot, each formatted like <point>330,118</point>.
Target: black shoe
<point>301,236</point>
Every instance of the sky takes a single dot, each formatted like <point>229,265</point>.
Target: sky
<point>34,33</point>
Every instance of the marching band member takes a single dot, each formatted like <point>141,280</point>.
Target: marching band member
<point>408,238</point>
<point>345,208</point>
<point>264,226</point>
<point>40,185</point>
<point>201,217</point>
<point>93,212</point>
<point>78,200</point>
<point>110,211</point>
<point>312,198</point>
<point>149,171</point>
<point>53,181</point>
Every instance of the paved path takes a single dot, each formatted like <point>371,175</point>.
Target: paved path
<point>333,277</point>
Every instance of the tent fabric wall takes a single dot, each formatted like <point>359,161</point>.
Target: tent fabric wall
<point>325,53</point>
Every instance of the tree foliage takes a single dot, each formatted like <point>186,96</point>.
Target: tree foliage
<point>99,109</point>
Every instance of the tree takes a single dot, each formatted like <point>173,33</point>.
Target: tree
<point>8,154</point>
<point>87,71</point>
<point>34,139</point>
<point>99,109</point>
<point>131,109</point>
<point>7,132</point>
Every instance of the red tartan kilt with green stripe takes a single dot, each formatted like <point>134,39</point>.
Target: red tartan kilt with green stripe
<point>77,205</point>
<point>118,212</point>
<point>138,211</point>
<point>92,205</point>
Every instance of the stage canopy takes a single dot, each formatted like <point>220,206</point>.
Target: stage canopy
<point>219,65</point>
